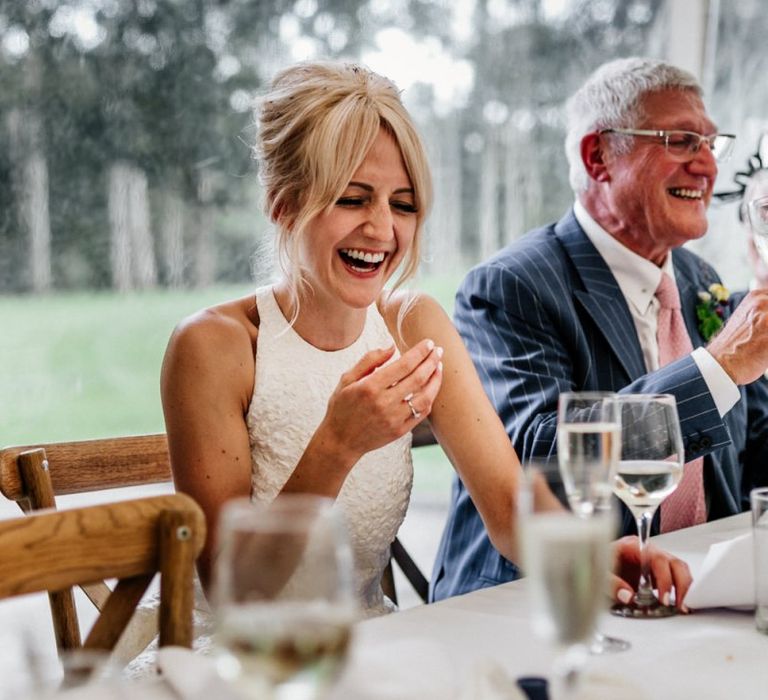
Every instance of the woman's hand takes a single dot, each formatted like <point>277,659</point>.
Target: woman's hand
<point>376,403</point>
<point>667,571</point>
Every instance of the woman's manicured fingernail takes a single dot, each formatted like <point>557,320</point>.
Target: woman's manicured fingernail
<point>439,351</point>
<point>439,366</point>
<point>624,596</point>
<point>665,599</point>
<point>430,344</point>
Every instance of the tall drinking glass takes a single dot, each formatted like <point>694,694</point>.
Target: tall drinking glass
<point>588,441</point>
<point>650,468</point>
<point>759,502</point>
<point>567,562</point>
<point>283,596</point>
<point>757,213</point>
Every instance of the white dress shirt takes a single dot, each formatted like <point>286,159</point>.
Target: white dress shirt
<point>638,280</point>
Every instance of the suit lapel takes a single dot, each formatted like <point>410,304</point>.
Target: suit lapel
<point>601,297</point>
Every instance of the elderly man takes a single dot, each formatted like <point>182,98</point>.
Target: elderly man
<point>605,299</point>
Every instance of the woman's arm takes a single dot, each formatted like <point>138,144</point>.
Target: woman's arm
<point>466,425</point>
<point>472,435</point>
<point>206,383</point>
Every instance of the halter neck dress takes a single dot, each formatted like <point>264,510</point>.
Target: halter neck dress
<point>292,385</point>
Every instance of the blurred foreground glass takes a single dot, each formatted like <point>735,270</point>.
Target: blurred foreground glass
<point>759,501</point>
<point>567,561</point>
<point>588,445</point>
<point>757,213</point>
<point>28,674</point>
<point>650,468</point>
<point>283,596</point>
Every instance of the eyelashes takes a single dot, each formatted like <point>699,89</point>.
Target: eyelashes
<point>352,202</point>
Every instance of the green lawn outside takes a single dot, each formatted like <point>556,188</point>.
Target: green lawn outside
<point>87,364</point>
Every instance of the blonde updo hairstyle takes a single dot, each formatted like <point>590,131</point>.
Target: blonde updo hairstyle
<point>315,126</point>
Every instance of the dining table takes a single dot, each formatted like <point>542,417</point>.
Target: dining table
<point>446,649</point>
<point>476,646</point>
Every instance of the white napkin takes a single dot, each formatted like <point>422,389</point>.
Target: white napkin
<point>726,577</point>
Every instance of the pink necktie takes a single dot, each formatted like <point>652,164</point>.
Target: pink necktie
<point>685,506</point>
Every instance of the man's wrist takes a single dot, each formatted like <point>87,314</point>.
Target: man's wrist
<point>724,391</point>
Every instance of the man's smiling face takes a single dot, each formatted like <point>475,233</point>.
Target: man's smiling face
<point>657,203</point>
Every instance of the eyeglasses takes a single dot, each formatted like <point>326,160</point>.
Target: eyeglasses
<point>683,145</point>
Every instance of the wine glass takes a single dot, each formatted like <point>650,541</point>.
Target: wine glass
<point>588,441</point>
<point>650,468</point>
<point>283,596</point>
<point>567,561</point>
<point>757,213</point>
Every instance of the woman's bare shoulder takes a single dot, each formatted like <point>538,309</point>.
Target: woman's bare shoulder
<point>226,329</point>
<point>414,314</point>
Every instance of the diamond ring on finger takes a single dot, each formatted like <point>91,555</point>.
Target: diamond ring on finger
<point>414,412</point>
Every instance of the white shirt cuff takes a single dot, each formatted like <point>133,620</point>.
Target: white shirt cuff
<point>724,392</point>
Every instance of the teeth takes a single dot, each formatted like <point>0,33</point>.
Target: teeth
<point>686,193</point>
<point>362,255</point>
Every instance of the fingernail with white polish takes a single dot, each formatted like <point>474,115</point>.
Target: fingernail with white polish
<point>430,344</point>
<point>439,351</point>
<point>439,366</point>
<point>624,596</point>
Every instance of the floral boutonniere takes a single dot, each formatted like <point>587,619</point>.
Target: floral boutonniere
<point>711,309</point>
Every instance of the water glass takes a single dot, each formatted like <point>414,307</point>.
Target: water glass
<point>759,501</point>
<point>283,596</point>
<point>588,446</point>
<point>567,561</point>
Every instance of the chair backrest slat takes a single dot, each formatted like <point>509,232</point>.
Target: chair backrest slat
<point>92,465</point>
<point>55,550</point>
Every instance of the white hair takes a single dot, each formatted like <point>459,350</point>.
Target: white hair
<point>612,97</point>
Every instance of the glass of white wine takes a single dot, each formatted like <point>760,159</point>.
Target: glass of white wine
<point>757,213</point>
<point>567,563</point>
<point>588,442</point>
<point>650,468</point>
<point>283,596</point>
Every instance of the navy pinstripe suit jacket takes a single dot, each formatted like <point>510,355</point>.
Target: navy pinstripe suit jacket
<point>546,315</point>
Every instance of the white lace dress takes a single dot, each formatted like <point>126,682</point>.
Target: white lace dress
<point>293,383</point>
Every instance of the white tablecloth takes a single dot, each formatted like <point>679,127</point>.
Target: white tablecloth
<point>445,651</point>
<point>708,655</point>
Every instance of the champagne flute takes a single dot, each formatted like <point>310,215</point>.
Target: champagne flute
<point>650,468</point>
<point>567,560</point>
<point>283,596</point>
<point>757,213</point>
<point>588,441</point>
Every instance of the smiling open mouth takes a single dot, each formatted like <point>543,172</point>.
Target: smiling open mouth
<point>360,260</point>
<point>686,193</point>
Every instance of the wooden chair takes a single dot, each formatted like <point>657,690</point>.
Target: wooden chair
<point>27,477</point>
<point>130,541</point>
<point>33,475</point>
